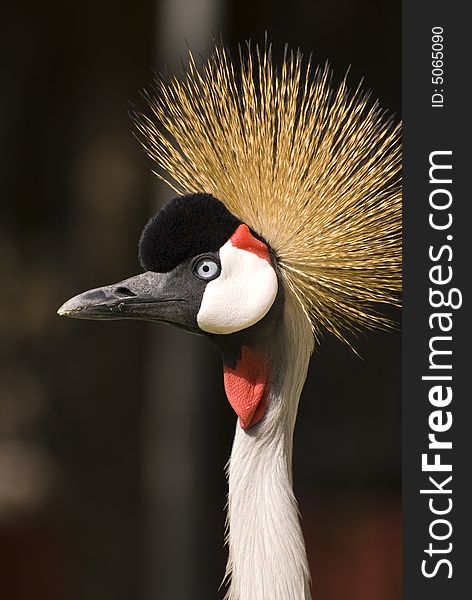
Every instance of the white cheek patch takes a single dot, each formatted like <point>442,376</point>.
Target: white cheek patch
<point>241,296</point>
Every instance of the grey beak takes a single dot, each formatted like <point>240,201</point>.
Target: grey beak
<point>145,297</point>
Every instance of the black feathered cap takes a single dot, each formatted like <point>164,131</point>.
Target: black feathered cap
<point>183,228</point>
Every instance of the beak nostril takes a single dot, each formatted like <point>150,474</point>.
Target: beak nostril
<point>124,292</point>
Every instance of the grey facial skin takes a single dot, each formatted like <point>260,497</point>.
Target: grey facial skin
<point>172,297</point>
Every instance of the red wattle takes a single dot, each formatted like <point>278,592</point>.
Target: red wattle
<point>247,385</point>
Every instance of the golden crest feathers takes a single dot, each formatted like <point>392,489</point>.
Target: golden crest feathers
<point>313,168</point>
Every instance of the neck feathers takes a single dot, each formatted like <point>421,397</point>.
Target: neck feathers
<point>267,557</point>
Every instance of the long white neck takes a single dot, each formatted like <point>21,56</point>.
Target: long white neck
<point>267,557</point>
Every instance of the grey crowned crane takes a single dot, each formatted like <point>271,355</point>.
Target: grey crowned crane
<point>287,223</point>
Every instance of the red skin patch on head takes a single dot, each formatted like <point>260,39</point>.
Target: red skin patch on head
<point>247,386</point>
<point>243,238</point>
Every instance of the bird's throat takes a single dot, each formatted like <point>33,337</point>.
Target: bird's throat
<point>267,558</point>
<point>246,386</point>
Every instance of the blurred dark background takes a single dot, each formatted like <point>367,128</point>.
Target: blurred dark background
<point>111,461</point>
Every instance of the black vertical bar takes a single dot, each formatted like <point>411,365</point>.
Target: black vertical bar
<point>429,127</point>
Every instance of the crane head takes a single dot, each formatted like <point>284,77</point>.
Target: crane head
<point>309,222</point>
<point>204,271</point>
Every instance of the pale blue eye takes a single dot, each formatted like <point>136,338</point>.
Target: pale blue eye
<point>207,268</point>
